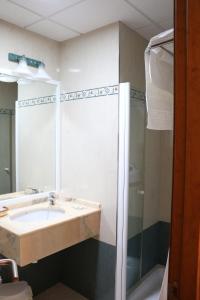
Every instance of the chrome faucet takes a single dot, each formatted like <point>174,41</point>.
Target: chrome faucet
<point>35,190</point>
<point>52,198</point>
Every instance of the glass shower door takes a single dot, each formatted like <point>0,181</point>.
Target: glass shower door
<point>132,119</point>
<point>136,188</point>
<point>5,152</point>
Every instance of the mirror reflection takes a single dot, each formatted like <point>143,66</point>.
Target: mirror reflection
<point>27,137</point>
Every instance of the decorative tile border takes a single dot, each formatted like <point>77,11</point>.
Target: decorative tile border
<point>37,101</point>
<point>81,95</point>
<point>138,95</point>
<point>6,111</point>
<point>90,93</point>
<point>77,95</point>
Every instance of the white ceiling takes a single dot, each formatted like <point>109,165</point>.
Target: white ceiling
<point>64,19</point>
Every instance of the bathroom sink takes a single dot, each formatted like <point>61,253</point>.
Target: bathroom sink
<point>36,229</point>
<point>38,215</point>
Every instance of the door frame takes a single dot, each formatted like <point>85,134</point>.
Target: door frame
<point>184,270</point>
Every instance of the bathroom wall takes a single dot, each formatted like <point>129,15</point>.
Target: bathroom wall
<point>158,174</point>
<point>152,177</point>
<point>157,200</point>
<point>89,66</point>
<point>132,47</point>
<point>21,41</point>
<point>158,144</point>
<point>95,66</point>
<point>91,60</point>
<point>89,152</point>
<point>154,209</point>
<point>166,158</point>
<point>90,126</point>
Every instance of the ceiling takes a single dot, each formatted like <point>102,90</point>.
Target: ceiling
<point>64,19</point>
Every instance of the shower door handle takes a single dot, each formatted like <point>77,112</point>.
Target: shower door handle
<point>7,171</point>
<point>140,192</point>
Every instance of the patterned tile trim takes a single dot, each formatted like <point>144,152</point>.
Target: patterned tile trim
<point>78,95</point>
<point>5,111</point>
<point>91,93</point>
<point>81,95</point>
<point>138,95</point>
<point>37,101</point>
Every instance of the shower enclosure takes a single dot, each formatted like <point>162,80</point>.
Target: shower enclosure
<point>142,241</point>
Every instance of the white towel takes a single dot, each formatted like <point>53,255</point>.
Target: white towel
<point>159,84</point>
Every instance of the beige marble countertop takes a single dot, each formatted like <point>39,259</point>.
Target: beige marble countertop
<point>12,195</point>
<point>73,208</point>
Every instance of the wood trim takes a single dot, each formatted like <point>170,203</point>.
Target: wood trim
<point>184,256</point>
<point>198,276</point>
<point>179,148</point>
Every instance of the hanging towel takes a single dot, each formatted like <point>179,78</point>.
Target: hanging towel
<point>159,83</point>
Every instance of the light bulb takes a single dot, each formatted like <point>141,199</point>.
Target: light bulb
<point>22,69</point>
<point>41,74</point>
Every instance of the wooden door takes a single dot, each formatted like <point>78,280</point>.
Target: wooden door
<point>184,275</point>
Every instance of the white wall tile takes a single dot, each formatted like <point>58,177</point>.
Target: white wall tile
<point>89,156</point>
<point>90,127</point>
<point>132,47</point>
<point>91,60</point>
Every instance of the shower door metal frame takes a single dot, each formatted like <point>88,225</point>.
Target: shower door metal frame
<point>123,190</point>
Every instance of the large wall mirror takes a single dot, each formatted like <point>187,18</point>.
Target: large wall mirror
<point>28,121</point>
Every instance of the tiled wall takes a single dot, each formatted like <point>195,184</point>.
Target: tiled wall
<point>87,62</point>
<point>89,67</point>
<point>151,154</point>
<point>89,152</point>
<point>89,155</point>
<point>91,60</point>
<point>89,159</point>
<point>21,41</point>
<point>158,144</point>
<point>81,267</point>
<point>132,47</point>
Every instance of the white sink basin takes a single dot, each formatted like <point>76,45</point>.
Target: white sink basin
<point>38,215</point>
